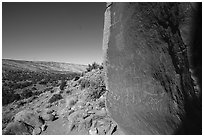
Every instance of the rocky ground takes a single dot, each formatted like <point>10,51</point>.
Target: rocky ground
<point>79,108</point>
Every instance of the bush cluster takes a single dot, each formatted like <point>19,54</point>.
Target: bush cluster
<point>94,66</point>
<point>94,84</point>
<point>8,97</point>
<point>26,93</point>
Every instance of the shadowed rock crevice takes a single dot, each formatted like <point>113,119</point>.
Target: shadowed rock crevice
<point>178,53</point>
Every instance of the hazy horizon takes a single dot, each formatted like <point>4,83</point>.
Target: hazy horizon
<point>53,31</point>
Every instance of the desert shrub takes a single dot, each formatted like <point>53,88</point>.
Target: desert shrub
<point>8,97</point>
<point>48,89</point>
<point>21,103</point>
<point>76,78</point>
<point>27,93</point>
<point>62,85</point>
<point>20,85</point>
<point>95,93</point>
<point>102,104</point>
<point>69,92</point>
<point>55,98</point>
<point>34,97</point>
<point>43,82</point>
<point>93,66</point>
<point>17,97</point>
<point>23,85</point>
<point>94,84</point>
<point>101,67</point>
<point>34,88</point>
<point>85,83</point>
<point>52,91</point>
<point>37,92</point>
<point>48,105</point>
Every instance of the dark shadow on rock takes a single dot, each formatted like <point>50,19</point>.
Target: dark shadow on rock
<point>192,124</point>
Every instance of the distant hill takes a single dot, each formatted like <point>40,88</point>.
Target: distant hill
<point>41,66</point>
<point>20,77</point>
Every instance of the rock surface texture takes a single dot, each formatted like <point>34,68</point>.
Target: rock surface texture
<point>150,89</point>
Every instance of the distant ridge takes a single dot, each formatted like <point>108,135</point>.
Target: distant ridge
<point>41,66</point>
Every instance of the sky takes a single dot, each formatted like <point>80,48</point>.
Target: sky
<point>61,32</point>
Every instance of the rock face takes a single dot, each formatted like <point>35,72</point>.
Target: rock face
<point>147,69</point>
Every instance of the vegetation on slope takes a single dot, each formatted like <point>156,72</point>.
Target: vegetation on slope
<point>19,78</point>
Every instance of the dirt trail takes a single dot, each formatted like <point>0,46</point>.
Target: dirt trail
<point>61,127</point>
<point>57,127</point>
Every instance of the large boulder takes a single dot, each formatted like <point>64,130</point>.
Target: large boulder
<point>17,128</point>
<point>71,101</point>
<point>29,117</point>
<point>48,114</point>
<point>150,90</point>
<point>26,120</point>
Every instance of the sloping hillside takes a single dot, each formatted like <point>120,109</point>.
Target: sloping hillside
<point>19,76</point>
<point>75,107</point>
<point>41,66</point>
